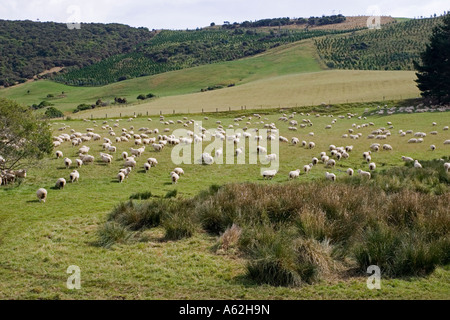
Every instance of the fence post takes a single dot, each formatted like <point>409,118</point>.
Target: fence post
<point>106,116</point>
<point>147,113</point>
<point>229,108</point>
<point>121,114</point>
<point>173,111</point>
<point>217,110</point>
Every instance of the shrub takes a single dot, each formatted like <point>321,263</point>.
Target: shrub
<point>138,216</point>
<point>52,112</point>
<point>178,225</point>
<point>171,194</point>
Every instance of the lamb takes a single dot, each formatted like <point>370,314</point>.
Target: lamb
<point>417,164</point>
<point>330,176</point>
<point>121,177</point>
<point>74,176</point>
<point>365,174</point>
<point>67,163</point>
<point>60,183</point>
<point>175,177</point>
<point>269,174</point>
<point>178,171</point>
<point>407,159</point>
<point>350,172</point>
<point>59,154</point>
<point>447,166</point>
<point>372,166</point>
<point>294,174</point>
<point>41,195</point>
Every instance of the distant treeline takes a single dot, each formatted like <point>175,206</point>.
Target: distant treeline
<point>312,21</point>
<point>28,48</point>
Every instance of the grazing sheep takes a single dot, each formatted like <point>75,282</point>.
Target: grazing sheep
<point>121,177</point>
<point>315,161</point>
<point>67,162</point>
<point>295,141</point>
<point>365,174</point>
<point>152,161</point>
<point>271,157</point>
<point>387,147</point>
<point>269,174</point>
<point>307,168</point>
<point>106,158</point>
<point>433,147</point>
<point>87,159</point>
<point>261,150</point>
<point>372,166</point>
<point>112,149</point>
<point>79,163</point>
<point>178,171</point>
<point>175,177</point>
<point>294,174</point>
<point>147,166</point>
<point>207,159</point>
<point>447,166</point>
<point>130,163</point>
<point>124,155</point>
<point>350,172</point>
<point>330,176</point>
<point>60,183</point>
<point>158,147</point>
<point>74,176</point>
<point>59,154</point>
<point>417,164</point>
<point>311,145</point>
<point>41,195</point>
<point>447,142</point>
<point>331,163</point>
<point>407,159</point>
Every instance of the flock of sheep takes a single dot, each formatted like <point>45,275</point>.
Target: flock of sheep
<point>146,137</point>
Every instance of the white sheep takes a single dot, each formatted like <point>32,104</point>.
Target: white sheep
<point>261,150</point>
<point>447,166</point>
<point>147,166</point>
<point>79,163</point>
<point>152,161</point>
<point>60,183</point>
<point>269,174</point>
<point>331,163</point>
<point>130,163</point>
<point>447,142</point>
<point>178,171</point>
<point>365,174</point>
<point>41,195</point>
<point>433,147</point>
<point>350,172</point>
<point>207,159</point>
<point>59,154</point>
<point>372,166</point>
<point>330,176</point>
<point>417,164</point>
<point>74,176</point>
<point>271,157</point>
<point>294,174</point>
<point>307,168</point>
<point>175,177</point>
<point>67,162</point>
<point>121,177</point>
<point>315,161</point>
<point>311,145</point>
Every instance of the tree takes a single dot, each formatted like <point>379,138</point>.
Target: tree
<point>434,70</point>
<point>52,112</point>
<point>23,136</point>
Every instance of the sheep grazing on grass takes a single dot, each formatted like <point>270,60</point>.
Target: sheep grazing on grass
<point>417,164</point>
<point>294,174</point>
<point>124,155</point>
<point>372,166</point>
<point>147,166</point>
<point>331,163</point>
<point>87,159</point>
<point>295,141</point>
<point>41,195</point>
<point>130,163</point>
<point>79,163</point>
<point>152,161</point>
<point>387,147</point>
<point>261,150</point>
<point>74,176</point>
<point>433,147</point>
<point>447,142</point>
<point>365,174</point>
<point>60,183</point>
<point>350,172</point>
<point>307,168</point>
<point>407,159</point>
<point>330,176</point>
<point>315,161</point>
<point>311,145</point>
<point>447,167</point>
<point>121,177</point>
<point>271,157</point>
<point>269,174</point>
<point>59,154</point>
<point>158,147</point>
<point>178,171</point>
<point>106,158</point>
<point>67,163</point>
<point>175,177</point>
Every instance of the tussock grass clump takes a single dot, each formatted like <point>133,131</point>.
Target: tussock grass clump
<point>137,216</point>
<point>141,196</point>
<point>229,240</point>
<point>111,233</point>
<point>178,225</point>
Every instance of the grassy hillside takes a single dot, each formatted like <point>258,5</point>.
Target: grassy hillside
<point>394,47</point>
<point>293,58</point>
<point>39,241</point>
<point>302,89</point>
<point>174,50</point>
<point>28,48</point>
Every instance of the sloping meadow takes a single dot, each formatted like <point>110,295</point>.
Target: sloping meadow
<point>292,234</point>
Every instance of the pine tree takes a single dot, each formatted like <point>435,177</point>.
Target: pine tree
<point>433,76</point>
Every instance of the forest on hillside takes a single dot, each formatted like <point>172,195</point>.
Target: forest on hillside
<point>28,48</point>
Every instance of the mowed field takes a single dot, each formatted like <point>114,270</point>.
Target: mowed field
<point>38,241</point>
